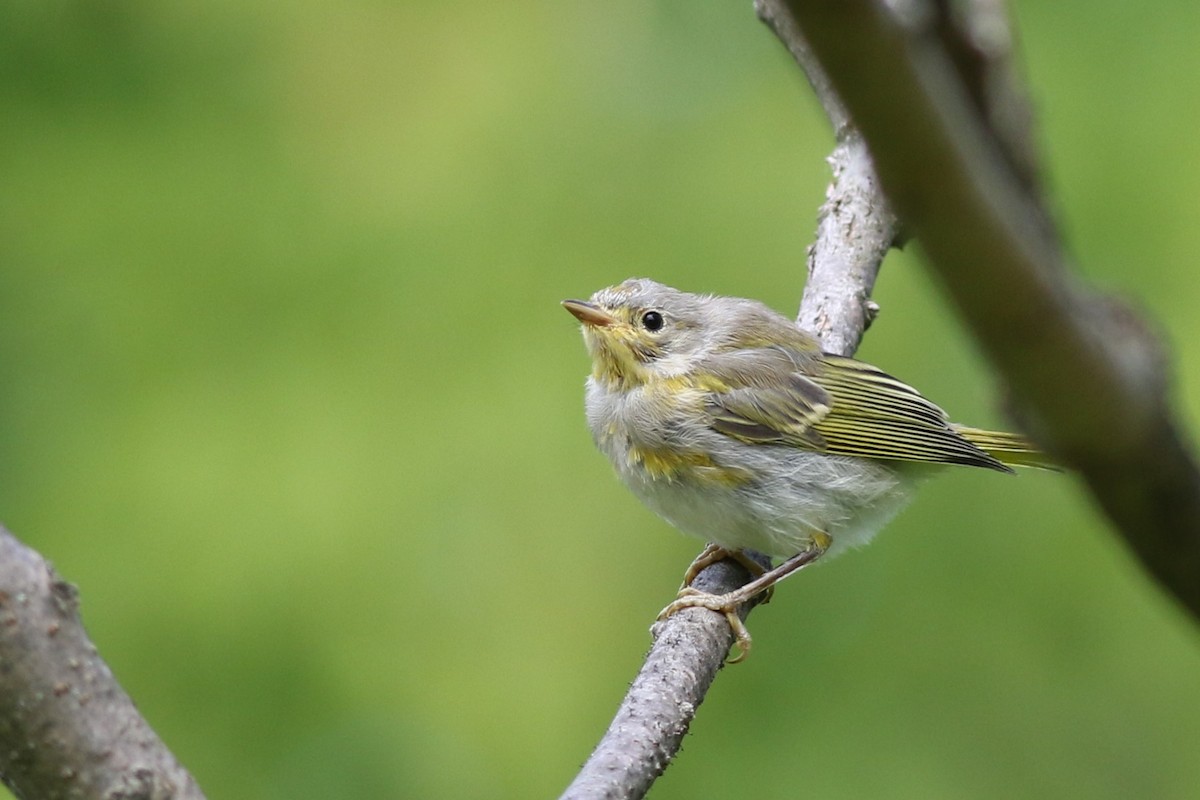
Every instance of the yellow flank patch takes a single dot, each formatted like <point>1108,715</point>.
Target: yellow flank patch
<point>705,383</point>
<point>669,465</point>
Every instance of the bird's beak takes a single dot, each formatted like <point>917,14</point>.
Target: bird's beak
<point>589,313</point>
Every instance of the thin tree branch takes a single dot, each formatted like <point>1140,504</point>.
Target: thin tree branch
<point>855,226</point>
<point>689,648</point>
<point>963,172</point>
<point>854,232</point>
<point>67,729</point>
<point>855,229</point>
<point>1088,378</point>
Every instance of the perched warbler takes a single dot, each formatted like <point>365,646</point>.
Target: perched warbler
<point>729,422</point>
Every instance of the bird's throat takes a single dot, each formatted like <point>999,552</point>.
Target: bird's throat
<point>615,364</point>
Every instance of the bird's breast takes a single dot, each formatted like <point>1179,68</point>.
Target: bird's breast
<point>657,434</point>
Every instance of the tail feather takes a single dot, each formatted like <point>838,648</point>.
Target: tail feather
<point>1008,448</point>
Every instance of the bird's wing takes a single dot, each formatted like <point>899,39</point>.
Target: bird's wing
<point>763,396</point>
<point>877,416</point>
<point>837,406</point>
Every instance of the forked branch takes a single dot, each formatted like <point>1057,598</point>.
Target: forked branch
<point>933,92</point>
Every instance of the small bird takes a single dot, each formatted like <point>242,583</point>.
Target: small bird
<point>730,423</point>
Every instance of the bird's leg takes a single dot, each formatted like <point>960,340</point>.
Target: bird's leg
<point>714,553</point>
<point>711,555</point>
<point>729,602</point>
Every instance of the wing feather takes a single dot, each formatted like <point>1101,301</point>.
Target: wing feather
<point>833,405</point>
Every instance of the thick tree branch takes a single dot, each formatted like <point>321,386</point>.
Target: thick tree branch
<point>67,729</point>
<point>1087,377</point>
<point>934,89</point>
<point>855,230</point>
<point>978,38</point>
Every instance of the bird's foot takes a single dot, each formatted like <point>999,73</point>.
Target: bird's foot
<point>711,555</point>
<point>728,603</point>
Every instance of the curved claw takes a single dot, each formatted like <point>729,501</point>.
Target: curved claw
<point>726,604</point>
<point>714,553</point>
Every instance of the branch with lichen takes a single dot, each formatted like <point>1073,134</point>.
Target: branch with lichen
<point>855,230</point>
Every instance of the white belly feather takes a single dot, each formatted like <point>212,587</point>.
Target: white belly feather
<point>788,494</point>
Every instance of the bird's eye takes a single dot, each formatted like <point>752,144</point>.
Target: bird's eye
<point>652,321</point>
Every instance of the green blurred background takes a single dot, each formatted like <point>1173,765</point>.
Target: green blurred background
<point>287,391</point>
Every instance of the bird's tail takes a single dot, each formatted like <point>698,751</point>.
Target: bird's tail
<point>1012,449</point>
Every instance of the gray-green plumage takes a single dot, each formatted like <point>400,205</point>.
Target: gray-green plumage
<point>730,422</point>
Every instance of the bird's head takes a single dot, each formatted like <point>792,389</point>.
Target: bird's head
<point>641,330</point>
